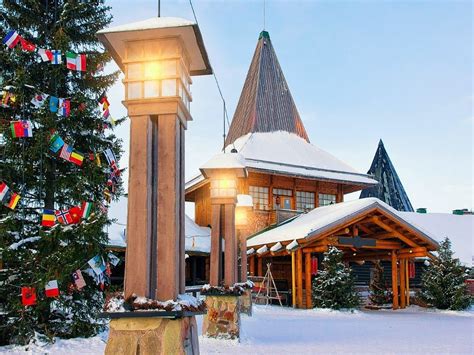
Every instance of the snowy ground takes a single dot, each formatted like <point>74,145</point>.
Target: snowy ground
<point>274,330</point>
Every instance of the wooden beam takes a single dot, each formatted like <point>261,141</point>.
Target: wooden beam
<point>412,250</point>
<point>309,302</point>
<point>252,265</point>
<point>299,278</point>
<point>216,252</point>
<point>318,249</point>
<point>385,226</point>
<point>402,272</point>
<point>259,267</point>
<point>383,235</point>
<point>364,229</point>
<point>293,280</point>
<point>394,280</point>
<point>407,278</point>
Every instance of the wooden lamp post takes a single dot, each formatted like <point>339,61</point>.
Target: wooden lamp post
<point>158,57</point>
<point>244,205</point>
<point>223,170</point>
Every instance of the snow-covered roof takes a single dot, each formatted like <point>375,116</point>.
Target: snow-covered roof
<point>149,24</point>
<point>288,154</point>
<point>458,228</point>
<point>226,160</point>
<point>322,218</point>
<point>198,239</point>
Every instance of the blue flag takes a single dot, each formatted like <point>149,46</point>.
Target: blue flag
<point>53,104</point>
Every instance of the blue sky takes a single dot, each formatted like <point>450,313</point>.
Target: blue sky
<point>358,71</point>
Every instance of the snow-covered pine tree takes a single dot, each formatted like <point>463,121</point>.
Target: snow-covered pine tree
<point>32,255</point>
<point>378,288</point>
<point>443,284</point>
<point>334,285</point>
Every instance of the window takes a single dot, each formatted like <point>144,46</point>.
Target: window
<point>285,198</point>
<point>326,199</point>
<point>260,197</point>
<point>304,200</point>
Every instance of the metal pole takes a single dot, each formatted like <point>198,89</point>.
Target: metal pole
<point>159,8</point>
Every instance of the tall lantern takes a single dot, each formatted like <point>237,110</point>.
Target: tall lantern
<point>158,57</point>
<point>223,171</point>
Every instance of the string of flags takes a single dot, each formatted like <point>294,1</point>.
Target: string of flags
<point>99,270</point>
<point>7,197</point>
<point>74,61</point>
<point>72,215</point>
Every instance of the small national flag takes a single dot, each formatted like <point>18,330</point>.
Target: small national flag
<point>107,195</point>
<point>104,101</point>
<point>53,104</point>
<point>108,271</point>
<point>76,214</point>
<point>86,209</point>
<point>12,199</point>
<point>45,54</point>
<point>48,219</point>
<point>56,56</point>
<point>97,160</point>
<point>110,156</point>
<point>97,264</point>
<point>106,114</point>
<point>64,217</point>
<point>21,129</point>
<point>28,296</point>
<point>56,143</point>
<point>11,39</point>
<point>113,259</point>
<point>51,289</point>
<point>39,100</point>
<point>76,158</point>
<point>64,107</point>
<point>7,98</point>
<point>78,279</point>
<point>71,60</point>
<point>81,62</point>
<point>3,191</point>
<point>66,152</point>
<point>26,45</point>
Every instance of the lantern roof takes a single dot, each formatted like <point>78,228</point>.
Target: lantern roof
<point>225,161</point>
<point>114,39</point>
<point>265,104</point>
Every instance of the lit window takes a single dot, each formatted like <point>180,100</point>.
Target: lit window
<point>326,199</point>
<point>285,198</point>
<point>260,197</point>
<point>304,200</point>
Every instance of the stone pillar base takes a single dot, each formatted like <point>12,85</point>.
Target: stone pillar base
<point>154,335</point>
<point>246,303</point>
<point>223,318</point>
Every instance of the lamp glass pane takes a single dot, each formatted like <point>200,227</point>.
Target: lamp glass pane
<point>169,68</point>
<point>134,90</point>
<point>168,87</point>
<point>134,71</point>
<point>152,88</point>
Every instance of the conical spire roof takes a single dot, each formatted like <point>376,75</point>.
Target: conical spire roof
<point>390,188</point>
<point>265,104</point>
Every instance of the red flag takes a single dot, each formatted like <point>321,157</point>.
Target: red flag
<point>76,214</point>
<point>314,266</point>
<point>26,45</point>
<point>28,296</point>
<point>51,289</point>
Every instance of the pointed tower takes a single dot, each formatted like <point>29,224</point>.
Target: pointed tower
<point>265,104</point>
<point>390,188</point>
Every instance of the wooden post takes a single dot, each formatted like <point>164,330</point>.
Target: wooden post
<point>207,269</point>
<point>407,277</point>
<point>259,267</point>
<point>243,256</point>
<point>394,280</point>
<point>309,301</point>
<point>403,297</point>
<point>293,280</point>
<point>215,245</point>
<point>299,278</point>
<point>230,269</point>
<point>252,265</point>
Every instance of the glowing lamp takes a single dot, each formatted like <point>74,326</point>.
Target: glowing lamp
<point>244,205</point>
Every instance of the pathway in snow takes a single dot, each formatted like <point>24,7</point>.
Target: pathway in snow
<point>274,330</point>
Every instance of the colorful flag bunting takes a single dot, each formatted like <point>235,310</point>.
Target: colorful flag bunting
<point>53,104</point>
<point>28,296</point>
<point>48,219</point>
<point>39,100</point>
<point>97,264</point>
<point>78,279</point>
<point>86,208</point>
<point>66,152</point>
<point>21,129</point>
<point>71,60</point>
<point>56,56</point>
<point>3,191</point>
<point>64,217</point>
<point>12,198</point>
<point>56,143</point>
<point>45,54</point>
<point>81,62</point>
<point>51,289</point>
<point>11,39</point>
<point>76,158</point>
<point>26,45</point>
<point>64,107</point>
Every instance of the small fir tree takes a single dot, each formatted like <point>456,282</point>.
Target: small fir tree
<point>334,285</point>
<point>378,288</point>
<point>444,281</point>
<point>32,255</point>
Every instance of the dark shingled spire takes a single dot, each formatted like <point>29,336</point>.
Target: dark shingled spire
<point>265,104</point>
<point>390,188</point>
